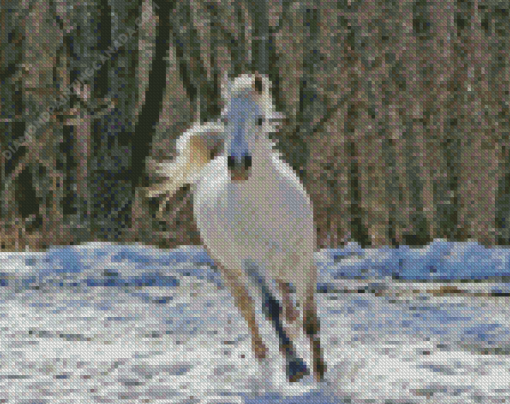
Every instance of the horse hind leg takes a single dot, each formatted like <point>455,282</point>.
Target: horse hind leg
<point>290,311</point>
<point>305,281</point>
<point>311,327</point>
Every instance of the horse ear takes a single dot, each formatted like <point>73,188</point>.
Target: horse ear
<point>257,85</point>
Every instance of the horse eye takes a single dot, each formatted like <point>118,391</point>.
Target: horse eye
<point>260,121</point>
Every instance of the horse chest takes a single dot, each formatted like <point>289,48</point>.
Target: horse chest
<point>261,215</point>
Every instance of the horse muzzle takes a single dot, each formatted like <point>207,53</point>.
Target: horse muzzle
<point>239,167</point>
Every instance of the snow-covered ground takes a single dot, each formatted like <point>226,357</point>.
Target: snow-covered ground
<point>107,323</point>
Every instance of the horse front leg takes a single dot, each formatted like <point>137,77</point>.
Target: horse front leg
<point>295,366</point>
<point>245,304</point>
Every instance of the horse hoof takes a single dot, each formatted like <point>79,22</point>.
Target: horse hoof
<point>296,369</point>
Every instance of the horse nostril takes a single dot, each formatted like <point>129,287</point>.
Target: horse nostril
<point>231,162</point>
<point>247,162</point>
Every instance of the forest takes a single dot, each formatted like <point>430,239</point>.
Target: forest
<point>397,114</point>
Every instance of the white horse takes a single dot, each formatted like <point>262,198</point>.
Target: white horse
<point>253,214</point>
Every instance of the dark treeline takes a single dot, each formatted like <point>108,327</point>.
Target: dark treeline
<point>397,113</point>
